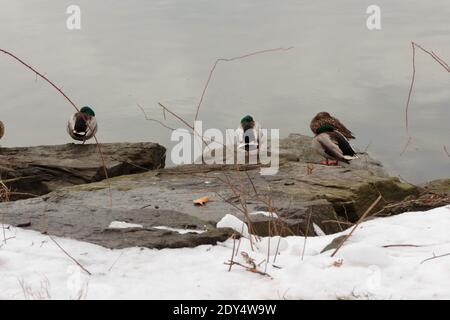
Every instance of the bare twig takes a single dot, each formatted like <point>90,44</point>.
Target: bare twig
<point>277,250</point>
<point>407,144</point>
<point>4,197</point>
<point>229,60</point>
<point>232,253</point>
<point>307,230</point>
<point>441,62</point>
<point>413,79</point>
<point>176,116</point>
<point>72,258</point>
<point>155,120</point>
<point>186,124</point>
<point>446,152</point>
<point>59,89</point>
<point>435,257</point>
<point>42,293</point>
<point>115,261</point>
<point>365,214</point>
<point>254,270</point>
<point>401,245</point>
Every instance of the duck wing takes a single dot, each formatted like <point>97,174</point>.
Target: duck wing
<point>334,146</point>
<point>71,128</point>
<point>91,127</point>
<point>335,123</point>
<point>343,144</point>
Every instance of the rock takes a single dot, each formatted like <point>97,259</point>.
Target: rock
<point>432,195</point>
<point>440,186</point>
<point>297,147</point>
<point>39,170</point>
<point>91,224</point>
<point>294,221</point>
<point>335,195</point>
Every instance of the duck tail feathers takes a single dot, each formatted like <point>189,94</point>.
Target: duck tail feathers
<point>350,157</point>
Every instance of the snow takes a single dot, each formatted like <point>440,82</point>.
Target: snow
<point>265,213</point>
<point>32,266</point>
<point>232,222</point>
<point>123,225</point>
<point>180,231</point>
<point>317,230</point>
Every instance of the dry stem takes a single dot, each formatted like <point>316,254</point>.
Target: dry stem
<point>59,89</point>
<point>443,64</point>
<point>229,60</point>
<point>365,214</point>
<point>72,258</point>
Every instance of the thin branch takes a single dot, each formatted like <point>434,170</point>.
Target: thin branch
<point>40,75</point>
<point>114,263</point>
<point>435,257</point>
<point>232,253</point>
<point>72,258</point>
<point>446,152</point>
<point>176,116</point>
<point>401,245</point>
<point>365,214</point>
<point>413,79</point>
<point>307,230</point>
<point>229,60</point>
<point>185,123</point>
<point>254,270</point>
<point>441,62</point>
<point>276,251</point>
<point>4,196</point>
<point>155,120</point>
<point>59,89</point>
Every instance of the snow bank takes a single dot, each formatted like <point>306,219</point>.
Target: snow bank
<point>32,266</point>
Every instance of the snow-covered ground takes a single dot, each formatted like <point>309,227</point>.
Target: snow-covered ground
<point>33,266</point>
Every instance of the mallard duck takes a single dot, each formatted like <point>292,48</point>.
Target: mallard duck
<point>332,144</point>
<point>2,129</point>
<point>249,134</point>
<point>82,125</point>
<point>324,118</point>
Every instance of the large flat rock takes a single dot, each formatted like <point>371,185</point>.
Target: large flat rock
<point>39,170</point>
<point>92,224</point>
<point>302,193</point>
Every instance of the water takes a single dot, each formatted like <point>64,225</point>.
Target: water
<point>145,51</point>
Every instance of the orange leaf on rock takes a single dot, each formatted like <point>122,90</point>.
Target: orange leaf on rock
<point>201,201</point>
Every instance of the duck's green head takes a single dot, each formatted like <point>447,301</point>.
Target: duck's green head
<point>247,119</point>
<point>87,110</point>
<point>247,122</point>
<point>324,128</point>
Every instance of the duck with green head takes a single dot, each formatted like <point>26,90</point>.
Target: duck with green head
<point>325,119</point>
<point>330,139</point>
<point>250,135</point>
<point>82,125</point>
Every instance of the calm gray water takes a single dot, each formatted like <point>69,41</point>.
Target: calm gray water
<point>145,51</point>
